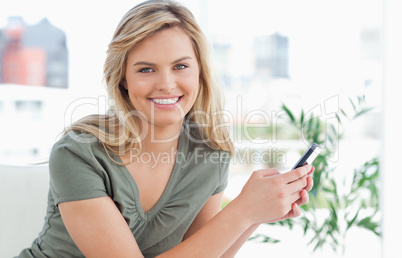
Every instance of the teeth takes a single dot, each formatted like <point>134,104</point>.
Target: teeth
<point>166,101</point>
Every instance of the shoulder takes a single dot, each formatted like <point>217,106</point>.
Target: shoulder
<point>76,142</point>
<point>76,168</point>
<point>76,147</point>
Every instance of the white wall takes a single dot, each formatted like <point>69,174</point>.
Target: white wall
<point>391,131</point>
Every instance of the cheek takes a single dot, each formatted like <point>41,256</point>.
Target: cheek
<point>192,84</point>
<point>137,95</point>
<point>192,91</point>
<point>138,88</point>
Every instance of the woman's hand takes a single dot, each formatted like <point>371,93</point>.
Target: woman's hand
<point>304,198</point>
<point>269,196</point>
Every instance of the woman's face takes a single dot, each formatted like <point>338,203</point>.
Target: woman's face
<point>162,77</point>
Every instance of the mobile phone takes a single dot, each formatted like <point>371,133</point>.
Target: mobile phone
<point>308,156</point>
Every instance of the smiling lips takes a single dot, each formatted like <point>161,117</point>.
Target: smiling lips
<point>166,103</point>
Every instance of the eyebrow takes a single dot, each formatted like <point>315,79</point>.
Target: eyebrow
<point>152,64</point>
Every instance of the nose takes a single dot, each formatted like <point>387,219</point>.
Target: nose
<point>166,82</point>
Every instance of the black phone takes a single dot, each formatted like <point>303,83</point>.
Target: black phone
<point>308,156</point>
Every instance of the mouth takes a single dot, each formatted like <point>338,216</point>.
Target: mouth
<point>166,101</point>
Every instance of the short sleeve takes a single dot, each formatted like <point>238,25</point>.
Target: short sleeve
<point>224,162</point>
<point>73,172</point>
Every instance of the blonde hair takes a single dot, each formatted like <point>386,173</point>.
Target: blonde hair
<point>116,131</point>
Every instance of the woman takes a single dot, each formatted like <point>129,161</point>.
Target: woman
<point>147,179</point>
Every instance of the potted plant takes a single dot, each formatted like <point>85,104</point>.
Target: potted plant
<point>348,203</point>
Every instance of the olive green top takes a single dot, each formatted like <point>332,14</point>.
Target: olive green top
<point>80,169</point>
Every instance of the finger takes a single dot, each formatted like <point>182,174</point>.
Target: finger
<point>296,210</point>
<point>294,197</point>
<point>310,184</point>
<point>297,185</point>
<point>293,175</point>
<point>311,170</point>
<point>304,198</point>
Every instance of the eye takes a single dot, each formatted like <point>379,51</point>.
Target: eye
<point>146,70</point>
<point>180,67</point>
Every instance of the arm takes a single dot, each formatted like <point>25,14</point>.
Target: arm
<point>264,197</point>
<point>295,212</point>
<point>267,194</point>
<point>212,207</point>
<point>98,228</point>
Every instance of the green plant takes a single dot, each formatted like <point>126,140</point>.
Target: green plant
<point>347,202</point>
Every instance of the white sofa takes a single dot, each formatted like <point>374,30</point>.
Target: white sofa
<point>23,200</point>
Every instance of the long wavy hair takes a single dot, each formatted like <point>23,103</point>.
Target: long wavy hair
<point>119,130</point>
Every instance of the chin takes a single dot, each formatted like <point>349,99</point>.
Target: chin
<point>167,120</point>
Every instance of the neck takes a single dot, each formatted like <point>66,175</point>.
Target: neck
<point>161,137</point>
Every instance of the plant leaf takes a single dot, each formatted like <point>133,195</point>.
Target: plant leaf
<point>363,111</point>
<point>350,222</point>
<point>289,113</point>
<point>369,225</point>
<point>264,239</point>
<point>353,104</point>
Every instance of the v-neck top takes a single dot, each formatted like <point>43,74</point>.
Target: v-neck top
<point>81,169</point>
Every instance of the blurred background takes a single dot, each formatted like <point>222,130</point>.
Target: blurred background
<point>276,59</point>
<point>300,53</point>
